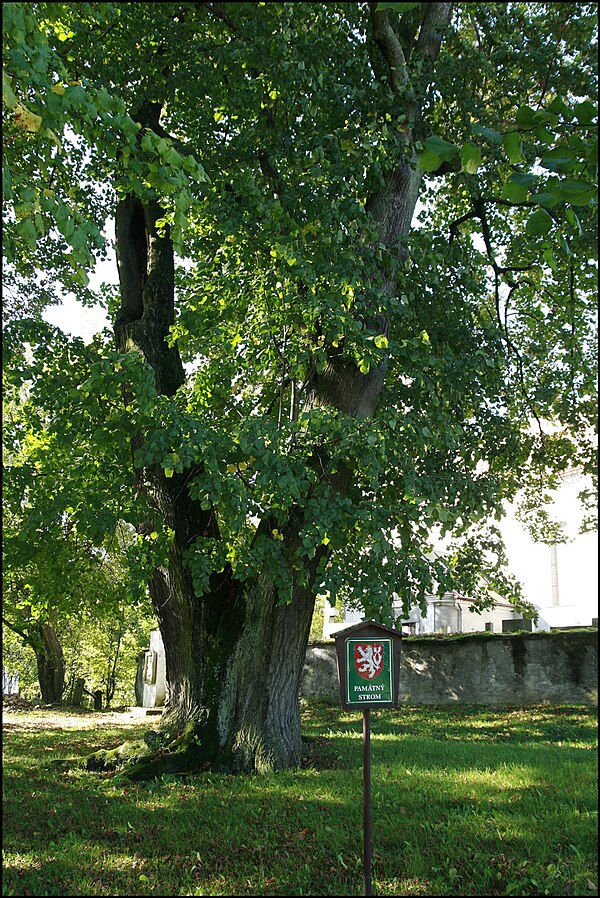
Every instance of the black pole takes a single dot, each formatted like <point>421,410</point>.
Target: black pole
<point>368,890</point>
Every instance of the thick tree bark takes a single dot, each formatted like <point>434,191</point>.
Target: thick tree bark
<point>259,716</point>
<point>50,663</point>
<point>139,679</point>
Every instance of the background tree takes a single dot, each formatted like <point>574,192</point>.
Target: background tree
<point>69,562</point>
<point>311,387</point>
<point>102,649</point>
<point>76,614</point>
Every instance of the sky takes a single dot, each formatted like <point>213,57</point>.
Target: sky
<point>577,560</point>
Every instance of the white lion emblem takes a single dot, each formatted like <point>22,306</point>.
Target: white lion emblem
<point>370,661</point>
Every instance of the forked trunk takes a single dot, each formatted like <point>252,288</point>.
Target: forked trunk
<point>234,656</point>
<point>234,660</point>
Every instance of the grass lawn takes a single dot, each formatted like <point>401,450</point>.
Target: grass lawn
<point>465,801</point>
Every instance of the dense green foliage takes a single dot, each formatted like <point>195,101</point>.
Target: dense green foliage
<point>465,801</point>
<point>279,123</point>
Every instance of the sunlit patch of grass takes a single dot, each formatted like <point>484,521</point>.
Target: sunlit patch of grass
<point>465,801</point>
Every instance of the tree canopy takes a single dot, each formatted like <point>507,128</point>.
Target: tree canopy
<point>326,376</point>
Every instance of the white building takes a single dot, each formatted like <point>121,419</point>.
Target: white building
<point>450,613</point>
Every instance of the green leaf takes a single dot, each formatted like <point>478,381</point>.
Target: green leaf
<point>528,118</point>
<point>564,244</point>
<point>493,136</point>
<point>544,135</point>
<point>441,148</point>
<point>585,112</point>
<point>574,220</point>
<point>26,230</point>
<point>429,161</point>
<point>539,223</point>
<point>559,107</point>
<point>524,178</point>
<point>547,199</point>
<point>8,95</point>
<point>147,143</point>
<point>517,188</point>
<point>435,152</point>
<point>180,220</point>
<point>577,192</point>
<point>559,159</point>
<point>514,193</point>
<point>512,147</point>
<point>470,158</point>
<point>525,118</point>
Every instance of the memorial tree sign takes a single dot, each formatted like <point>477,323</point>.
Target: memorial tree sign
<point>368,660</point>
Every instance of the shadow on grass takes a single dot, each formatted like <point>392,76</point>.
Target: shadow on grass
<point>450,815</point>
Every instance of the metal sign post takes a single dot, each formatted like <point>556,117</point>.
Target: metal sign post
<point>368,658</point>
<point>368,886</point>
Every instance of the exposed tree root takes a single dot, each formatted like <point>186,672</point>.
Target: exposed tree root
<point>157,754</point>
<point>115,758</point>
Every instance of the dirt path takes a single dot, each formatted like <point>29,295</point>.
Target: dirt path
<point>55,718</point>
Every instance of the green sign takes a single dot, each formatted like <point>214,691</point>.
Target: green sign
<point>369,671</point>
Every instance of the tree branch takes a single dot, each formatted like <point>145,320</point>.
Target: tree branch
<point>479,206</point>
<point>455,224</point>
<point>427,47</point>
<point>387,41</point>
<point>437,16</point>
<point>23,632</point>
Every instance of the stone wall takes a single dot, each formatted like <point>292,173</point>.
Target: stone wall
<point>480,669</point>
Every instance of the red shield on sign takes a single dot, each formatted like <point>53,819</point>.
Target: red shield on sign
<point>368,659</point>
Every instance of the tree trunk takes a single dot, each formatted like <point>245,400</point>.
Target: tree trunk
<point>139,679</point>
<point>50,664</point>
<point>78,691</point>
<point>258,699</point>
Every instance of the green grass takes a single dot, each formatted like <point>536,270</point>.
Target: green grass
<point>465,801</point>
